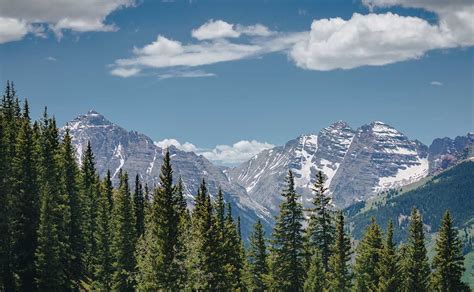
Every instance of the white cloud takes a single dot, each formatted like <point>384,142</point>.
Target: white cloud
<point>218,29</point>
<point>185,74</point>
<point>58,15</point>
<point>189,147</point>
<point>332,43</point>
<point>222,154</point>
<point>124,72</point>
<point>373,39</point>
<point>236,153</point>
<point>12,29</point>
<point>436,83</point>
<point>51,58</point>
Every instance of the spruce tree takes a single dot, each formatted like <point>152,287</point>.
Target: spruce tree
<point>448,262</point>
<point>316,280</point>
<point>25,204</point>
<point>339,275</point>
<point>258,258</point>
<point>288,271</point>
<point>231,249</point>
<point>368,258</point>
<point>389,267</point>
<point>320,227</point>
<point>139,207</point>
<point>123,238</point>
<point>204,273</point>
<point>52,253</point>
<point>70,180</point>
<point>417,269</point>
<point>158,264</point>
<point>89,198</point>
<point>182,237</point>
<point>103,270</point>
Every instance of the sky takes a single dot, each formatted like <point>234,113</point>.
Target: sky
<point>231,78</point>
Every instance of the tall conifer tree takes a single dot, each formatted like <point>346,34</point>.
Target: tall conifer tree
<point>288,268</point>
<point>389,266</point>
<point>139,207</point>
<point>258,258</point>
<point>339,275</point>
<point>448,262</point>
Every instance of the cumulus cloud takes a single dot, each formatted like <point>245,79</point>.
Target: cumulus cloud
<point>373,39</point>
<point>12,29</point>
<point>188,147</point>
<point>124,72</point>
<point>58,15</point>
<point>236,153</point>
<point>222,154</point>
<point>217,29</point>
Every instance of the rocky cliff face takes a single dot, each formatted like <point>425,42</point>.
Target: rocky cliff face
<point>446,152</point>
<point>115,148</point>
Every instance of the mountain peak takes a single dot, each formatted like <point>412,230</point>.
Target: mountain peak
<point>91,119</point>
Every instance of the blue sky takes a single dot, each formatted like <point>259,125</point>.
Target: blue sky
<point>252,70</point>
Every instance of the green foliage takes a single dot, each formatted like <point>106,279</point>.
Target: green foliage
<point>448,262</point>
<point>368,259</point>
<point>339,276</point>
<point>320,230</point>
<point>389,265</point>
<point>123,238</point>
<point>316,280</point>
<point>139,207</point>
<point>415,261</point>
<point>257,255</point>
<point>287,269</point>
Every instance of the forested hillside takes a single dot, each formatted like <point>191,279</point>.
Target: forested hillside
<point>65,228</point>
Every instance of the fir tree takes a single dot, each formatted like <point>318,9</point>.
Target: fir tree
<point>368,257</point>
<point>123,238</point>
<point>320,226</point>
<point>389,266</point>
<point>25,204</point>
<point>288,267</point>
<point>231,249</point>
<point>448,262</point>
<point>52,253</point>
<point>158,263</point>
<point>182,237</point>
<point>104,262</point>
<point>339,275</point>
<point>204,273</point>
<point>89,197</point>
<point>139,207</point>
<point>258,258</point>
<point>316,280</point>
<point>417,270</point>
<point>70,180</point>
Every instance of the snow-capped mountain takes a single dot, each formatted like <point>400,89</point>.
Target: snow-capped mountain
<point>115,148</point>
<point>356,163</point>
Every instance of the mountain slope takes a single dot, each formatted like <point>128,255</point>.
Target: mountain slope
<point>115,148</point>
<point>357,164</point>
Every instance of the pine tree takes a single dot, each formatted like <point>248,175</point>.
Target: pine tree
<point>25,204</point>
<point>339,275</point>
<point>320,227</point>
<point>204,273</point>
<point>123,238</point>
<point>158,263</point>
<point>368,258</point>
<point>52,253</point>
<point>316,280</point>
<point>288,267</point>
<point>448,262</point>
<point>258,258</point>
<point>89,198</point>
<point>104,262</point>
<point>182,237</point>
<point>417,270</point>
<point>389,267</point>
<point>139,207</point>
<point>231,249</point>
<point>70,180</point>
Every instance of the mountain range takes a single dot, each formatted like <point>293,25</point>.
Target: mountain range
<point>357,163</point>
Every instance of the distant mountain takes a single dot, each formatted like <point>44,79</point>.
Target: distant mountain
<point>115,148</point>
<point>357,164</point>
